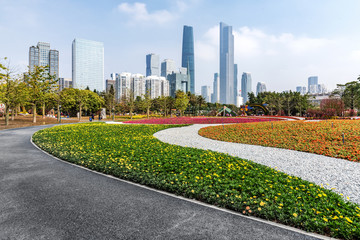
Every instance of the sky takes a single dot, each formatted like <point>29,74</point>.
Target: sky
<point>280,42</point>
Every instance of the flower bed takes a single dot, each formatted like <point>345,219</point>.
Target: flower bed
<point>202,120</point>
<point>324,137</point>
<point>131,152</point>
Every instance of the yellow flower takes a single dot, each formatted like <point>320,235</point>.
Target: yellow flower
<point>325,219</point>
<point>262,203</point>
<point>192,191</point>
<point>348,219</point>
<point>336,217</point>
<point>295,215</point>
<point>259,209</point>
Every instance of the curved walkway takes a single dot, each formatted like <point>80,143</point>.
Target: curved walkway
<point>336,173</point>
<point>42,198</point>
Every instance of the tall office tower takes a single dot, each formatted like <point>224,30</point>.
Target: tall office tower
<point>215,97</point>
<point>138,85</point>
<point>260,87</point>
<point>206,93</point>
<point>41,55</point>
<point>188,60</point>
<point>122,85</point>
<point>321,89</point>
<point>235,83</point>
<point>65,83</point>
<point>88,64</point>
<point>245,86</point>
<point>167,67</point>
<point>227,83</point>
<point>152,65</point>
<point>313,84</point>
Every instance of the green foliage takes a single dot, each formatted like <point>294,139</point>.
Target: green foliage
<point>349,93</point>
<point>131,152</point>
<point>181,101</point>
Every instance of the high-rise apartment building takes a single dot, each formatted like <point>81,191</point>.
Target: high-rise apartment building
<point>109,83</point>
<point>138,85</point>
<point>88,64</point>
<point>206,93</point>
<point>167,67</point>
<point>227,80</point>
<point>215,96</point>
<point>301,90</point>
<point>42,55</point>
<point>157,86</point>
<point>245,86</point>
<point>122,85</point>
<point>313,84</point>
<point>188,60</point>
<point>152,65</point>
<point>260,87</point>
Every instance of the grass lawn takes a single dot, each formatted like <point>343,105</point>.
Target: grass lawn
<point>323,137</point>
<point>131,152</point>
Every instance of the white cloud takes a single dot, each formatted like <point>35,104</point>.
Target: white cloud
<point>138,13</point>
<point>283,61</point>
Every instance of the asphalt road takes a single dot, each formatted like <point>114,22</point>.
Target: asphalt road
<point>44,198</point>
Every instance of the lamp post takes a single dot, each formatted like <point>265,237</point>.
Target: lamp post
<point>59,112</point>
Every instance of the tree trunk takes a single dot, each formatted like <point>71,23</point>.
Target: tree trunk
<point>34,112</point>
<point>6,115</point>
<point>43,110</point>
<point>12,114</point>
<point>80,112</point>
<point>147,112</point>
<point>58,113</point>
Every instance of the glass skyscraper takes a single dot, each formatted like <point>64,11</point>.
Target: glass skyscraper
<point>88,64</point>
<point>245,86</point>
<point>227,80</point>
<point>41,55</point>
<point>215,97</point>
<point>188,60</point>
<point>313,84</point>
<point>152,65</point>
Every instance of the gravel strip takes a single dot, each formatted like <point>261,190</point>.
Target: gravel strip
<point>332,173</point>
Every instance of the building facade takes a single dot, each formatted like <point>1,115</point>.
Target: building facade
<point>313,84</point>
<point>178,81</point>
<point>88,64</point>
<point>215,96</point>
<point>206,93</point>
<point>138,85</point>
<point>227,80</point>
<point>122,85</point>
<point>260,87</point>
<point>109,83</point>
<point>152,65</point>
<point>301,90</point>
<point>65,83</point>
<point>245,86</point>
<point>157,86</point>
<point>187,59</point>
<point>167,67</point>
<point>42,55</point>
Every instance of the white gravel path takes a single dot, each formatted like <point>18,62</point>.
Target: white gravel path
<point>336,173</point>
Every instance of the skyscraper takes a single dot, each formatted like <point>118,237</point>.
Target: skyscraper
<point>205,93</point>
<point>215,97</point>
<point>167,67</point>
<point>260,87</point>
<point>235,83</point>
<point>188,60</point>
<point>152,65</point>
<point>41,55</point>
<point>227,81</point>
<point>245,86</point>
<point>313,84</point>
<point>178,81</point>
<point>88,64</point>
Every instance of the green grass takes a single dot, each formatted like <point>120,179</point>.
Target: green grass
<point>131,152</point>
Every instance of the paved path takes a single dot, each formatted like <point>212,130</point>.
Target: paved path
<point>336,173</point>
<point>43,198</point>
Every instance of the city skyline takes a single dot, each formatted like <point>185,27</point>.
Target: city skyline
<point>281,53</point>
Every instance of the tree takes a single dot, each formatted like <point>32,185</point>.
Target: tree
<point>181,101</point>
<point>200,100</point>
<point>39,82</point>
<point>130,101</point>
<point>109,98</point>
<point>287,101</point>
<point>251,98</point>
<point>350,94</point>
<point>146,103</point>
